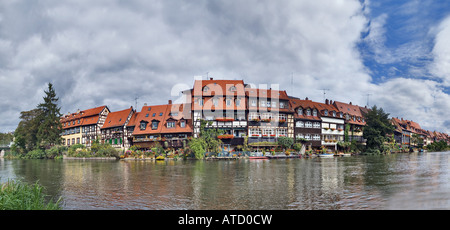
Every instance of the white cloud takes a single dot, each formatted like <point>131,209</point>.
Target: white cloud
<point>440,67</point>
<point>108,52</point>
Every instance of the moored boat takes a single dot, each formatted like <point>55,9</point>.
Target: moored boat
<point>326,155</point>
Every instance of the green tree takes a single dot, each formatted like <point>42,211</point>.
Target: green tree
<point>198,146</point>
<point>285,142</point>
<point>25,134</point>
<point>378,126</point>
<point>50,126</point>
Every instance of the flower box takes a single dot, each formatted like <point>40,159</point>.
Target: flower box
<point>225,136</point>
<point>266,120</point>
<point>340,130</point>
<point>255,135</point>
<point>282,121</point>
<point>273,135</point>
<point>264,135</point>
<point>224,119</point>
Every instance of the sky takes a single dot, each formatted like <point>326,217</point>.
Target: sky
<point>393,54</point>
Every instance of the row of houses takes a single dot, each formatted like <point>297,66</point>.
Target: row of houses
<point>240,110</point>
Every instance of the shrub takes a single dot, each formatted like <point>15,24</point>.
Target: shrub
<point>20,196</point>
<point>35,154</point>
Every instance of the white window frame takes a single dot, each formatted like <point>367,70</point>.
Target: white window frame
<point>300,124</point>
<point>308,124</point>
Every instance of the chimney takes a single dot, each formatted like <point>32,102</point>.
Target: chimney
<point>211,78</point>
<point>350,103</point>
<point>78,111</point>
<point>326,101</point>
<point>170,102</point>
<point>145,104</point>
<point>306,98</point>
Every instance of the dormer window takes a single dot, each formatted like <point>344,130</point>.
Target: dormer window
<point>315,112</point>
<point>334,113</point>
<point>232,88</point>
<point>171,124</point>
<point>341,114</point>
<point>205,89</point>
<point>182,124</point>
<point>155,125</point>
<point>143,125</point>
<point>308,112</point>
<point>300,111</point>
<point>325,112</point>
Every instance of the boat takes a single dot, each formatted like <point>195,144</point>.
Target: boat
<point>326,155</point>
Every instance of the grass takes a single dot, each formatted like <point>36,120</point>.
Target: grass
<point>16,195</point>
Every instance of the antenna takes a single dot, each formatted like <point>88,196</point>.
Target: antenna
<point>136,101</point>
<point>368,96</point>
<point>325,92</point>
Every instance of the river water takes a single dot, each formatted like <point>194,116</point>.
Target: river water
<point>397,181</point>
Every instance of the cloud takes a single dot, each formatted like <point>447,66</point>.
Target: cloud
<point>109,52</point>
<point>440,67</point>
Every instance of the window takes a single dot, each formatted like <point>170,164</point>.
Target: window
<point>334,113</point>
<point>155,124</point>
<point>182,124</point>
<point>274,104</point>
<point>316,137</point>
<point>253,102</point>
<point>308,136</point>
<point>143,125</point>
<point>149,109</point>
<point>146,115</point>
<point>340,114</point>
<point>171,124</point>
<point>281,132</point>
<point>215,102</point>
<point>205,89</point>
<point>262,103</point>
<point>325,112</point>
<point>315,112</point>
<point>299,124</point>
<point>316,125</point>
<point>228,102</point>
<point>232,88</point>
<point>268,104</point>
<point>238,102</point>
<point>282,117</point>
<point>308,124</point>
<point>255,132</point>
<point>300,135</point>
<point>281,105</point>
<point>154,114</point>
<point>200,101</point>
<point>308,112</point>
<point>252,116</point>
<point>160,114</point>
<point>78,140</point>
<point>268,132</point>
<point>300,112</point>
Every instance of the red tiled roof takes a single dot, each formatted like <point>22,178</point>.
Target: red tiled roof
<point>117,119</point>
<point>304,104</point>
<point>353,111</point>
<point>280,95</point>
<point>218,87</point>
<point>161,114</point>
<point>84,117</point>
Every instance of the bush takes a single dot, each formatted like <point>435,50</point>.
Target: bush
<point>35,154</point>
<point>20,196</point>
<point>55,152</point>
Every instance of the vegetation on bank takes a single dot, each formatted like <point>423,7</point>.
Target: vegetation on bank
<point>16,195</point>
<point>39,129</point>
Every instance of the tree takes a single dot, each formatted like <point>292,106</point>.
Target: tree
<point>378,126</point>
<point>50,127</point>
<point>285,142</point>
<point>25,134</point>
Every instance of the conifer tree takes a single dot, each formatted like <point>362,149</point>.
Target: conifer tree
<point>50,126</point>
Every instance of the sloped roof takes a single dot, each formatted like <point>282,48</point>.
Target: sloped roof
<point>218,87</point>
<point>86,117</point>
<point>304,104</point>
<point>117,119</point>
<point>162,113</point>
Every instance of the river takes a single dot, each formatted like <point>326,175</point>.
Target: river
<point>397,181</point>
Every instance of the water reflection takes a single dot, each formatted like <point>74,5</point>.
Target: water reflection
<point>401,181</point>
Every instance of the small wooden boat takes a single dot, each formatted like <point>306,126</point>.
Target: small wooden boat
<point>326,155</point>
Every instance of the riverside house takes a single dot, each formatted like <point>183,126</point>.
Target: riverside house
<point>83,127</point>
<point>223,104</point>
<point>167,125</point>
<point>269,115</point>
<point>114,130</point>
<point>354,118</point>
<point>332,125</point>
<point>307,122</point>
